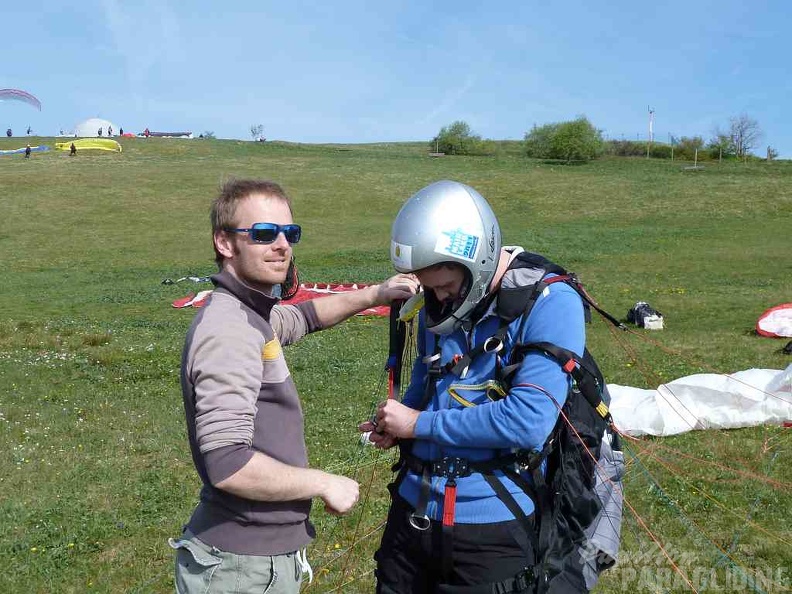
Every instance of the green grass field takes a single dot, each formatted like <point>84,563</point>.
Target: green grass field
<point>97,472</point>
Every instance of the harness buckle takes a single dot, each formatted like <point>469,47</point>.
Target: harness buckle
<point>420,522</point>
<point>524,579</point>
<point>526,460</point>
<point>429,359</point>
<point>451,467</point>
<point>493,344</point>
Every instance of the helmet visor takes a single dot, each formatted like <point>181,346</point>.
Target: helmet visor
<point>438,313</point>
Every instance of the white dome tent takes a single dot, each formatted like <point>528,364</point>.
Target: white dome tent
<point>90,128</point>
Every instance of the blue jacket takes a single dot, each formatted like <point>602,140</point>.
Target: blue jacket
<point>521,420</point>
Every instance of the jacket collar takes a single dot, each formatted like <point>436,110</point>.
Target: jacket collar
<point>260,302</point>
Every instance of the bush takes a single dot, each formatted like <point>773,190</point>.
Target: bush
<point>625,148</point>
<point>660,150</point>
<point>576,140</point>
<point>685,149</point>
<point>457,139</point>
<point>539,143</point>
<point>484,148</point>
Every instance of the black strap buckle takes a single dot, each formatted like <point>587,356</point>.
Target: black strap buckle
<point>529,461</point>
<point>524,580</point>
<point>451,467</point>
<point>435,371</point>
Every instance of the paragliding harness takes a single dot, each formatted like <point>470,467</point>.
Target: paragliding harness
<point>566,502</point>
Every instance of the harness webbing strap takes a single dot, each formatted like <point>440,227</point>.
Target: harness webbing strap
<point>449,502</point>
<point>449,505</point>
<point>573,365</point>
<point>433,373</point>
<point>493,344</point>
<point>544,509</point>
<point>526,522</point>
<point>419,519</point>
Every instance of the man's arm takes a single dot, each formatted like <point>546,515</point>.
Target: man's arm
<point>265,479</point>
<point>336,308</point>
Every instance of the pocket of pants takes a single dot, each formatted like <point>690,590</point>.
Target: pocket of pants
<point>194,566</point>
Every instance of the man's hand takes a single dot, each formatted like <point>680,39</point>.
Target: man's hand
<point>399,287</point>
<point>340,494</point>
<point>395,419</point>
<point>383,441</point>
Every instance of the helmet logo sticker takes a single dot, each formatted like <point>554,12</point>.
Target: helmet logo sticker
<point>401,256</point>
<point>458,243</point>
<point>492,240</point>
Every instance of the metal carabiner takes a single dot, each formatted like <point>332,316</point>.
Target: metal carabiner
<point>493,345</point>
<point>429,359</point>
<point>421,523</point>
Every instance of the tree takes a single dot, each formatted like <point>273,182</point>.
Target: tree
<point>257,132</point>
<point>721,145</point>
<point>689,147</point>
<point>745,133</point>
<point>539,141</point>
<point>456,139</point>
<point>575,140</point>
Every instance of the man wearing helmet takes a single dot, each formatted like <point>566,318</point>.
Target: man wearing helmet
<point>458,521</point>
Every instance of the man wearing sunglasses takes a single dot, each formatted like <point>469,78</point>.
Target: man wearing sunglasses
<point>244,418</point>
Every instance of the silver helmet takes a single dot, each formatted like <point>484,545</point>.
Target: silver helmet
<point>448,222</point>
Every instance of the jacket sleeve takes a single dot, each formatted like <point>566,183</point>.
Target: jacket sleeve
<point>292,322</point>
<point>226,375</point>
<point>527,415</point>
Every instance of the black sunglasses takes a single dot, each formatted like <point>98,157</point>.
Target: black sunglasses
<point>268,232</point>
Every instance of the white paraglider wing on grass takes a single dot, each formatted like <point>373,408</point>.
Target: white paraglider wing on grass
<point>704,401</point>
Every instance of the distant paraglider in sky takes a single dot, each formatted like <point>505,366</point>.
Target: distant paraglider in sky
<point>19,95</point>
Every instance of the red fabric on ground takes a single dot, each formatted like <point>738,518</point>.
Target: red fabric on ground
<point>776,322</point>
<point>315,290</point>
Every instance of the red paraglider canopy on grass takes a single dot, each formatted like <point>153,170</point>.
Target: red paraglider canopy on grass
<point>776,322</point>
<point>313,290</point>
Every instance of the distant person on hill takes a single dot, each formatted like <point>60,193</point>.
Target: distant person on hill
<point>121,132</point>
<point>146,133</point>
<point>9,133</point>
<point>109,131</point>
<point>27,152</point>
<point>100,131</point>
<point>29,130</point>
<point>72,150</point>
<point>244,418</point>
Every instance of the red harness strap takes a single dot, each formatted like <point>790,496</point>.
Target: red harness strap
<point>449,503</point>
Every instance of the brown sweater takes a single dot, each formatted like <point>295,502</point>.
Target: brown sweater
<point>239,398</point>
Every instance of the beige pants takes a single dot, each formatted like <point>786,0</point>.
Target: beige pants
<point>203,569</point>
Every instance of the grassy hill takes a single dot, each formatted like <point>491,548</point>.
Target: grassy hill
<point>97,472</point>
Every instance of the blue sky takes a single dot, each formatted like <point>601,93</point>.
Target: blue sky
<point>349,71</point>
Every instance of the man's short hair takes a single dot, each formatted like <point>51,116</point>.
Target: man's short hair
<point>232,192</point>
